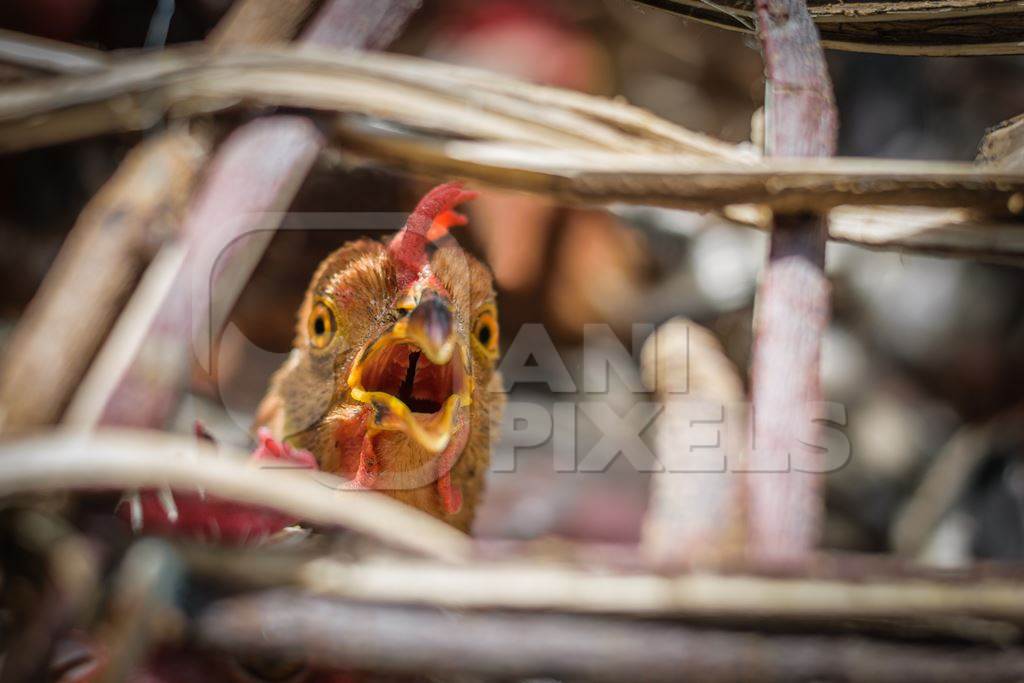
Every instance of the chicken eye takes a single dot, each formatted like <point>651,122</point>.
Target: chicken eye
<point>485,332</point>
<point>322,325</point>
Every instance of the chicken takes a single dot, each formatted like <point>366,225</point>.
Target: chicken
<point>391,379</point>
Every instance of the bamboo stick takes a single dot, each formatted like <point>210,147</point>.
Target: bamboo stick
<point>573,146</point>
<point>92,277</point>
<point>98,266</point>
<point>937,28</point>
<point>1003,145</point>
<point>537,585</point>
<point>409,640</point>
<point>681,181</point>
<point>784,495</point>
<point>48,56</point>
<point>122,459</point>
<point>696,509</point>
<point>456,574</point>
<point>249,185</point>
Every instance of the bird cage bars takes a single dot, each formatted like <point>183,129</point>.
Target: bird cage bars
<point>381,597</point>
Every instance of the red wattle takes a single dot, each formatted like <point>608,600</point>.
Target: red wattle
<point>178,513</point>
<point>369,465</point>
<point>450,494</point>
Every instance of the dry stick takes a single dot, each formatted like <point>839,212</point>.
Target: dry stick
<point>117,460</point>
<point>785,506</point>
<point>683,181</point>
<point>515,646</point>
<point>542,139</point>
<point>847,586</point>
<point>595,577</point>
<point>97,268</point>
<point>949,473</point>
<point>409,90</point>
<point>1003,145</point>
<point>612,579</point>
<point>939,232</point>
<point>955,232</point>
<point>454,100</point>
<point>137,376</point>
<point>91,278</point>
<point>881,597</point>
<point>695,512</point>
<point>247,188</point>
<point>939,28</point>
<point>49,56</point>
<point>539,585</point>
<point>583,148</point>
<point>184,79</point>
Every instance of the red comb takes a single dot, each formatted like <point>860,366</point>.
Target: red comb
<point>429,220</point>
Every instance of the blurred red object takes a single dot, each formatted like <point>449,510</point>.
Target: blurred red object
<point>529,40</point>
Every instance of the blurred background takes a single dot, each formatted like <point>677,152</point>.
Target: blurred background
<point>927,354</point>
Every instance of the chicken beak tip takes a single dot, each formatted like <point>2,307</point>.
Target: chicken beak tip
<point>389,413</point>
<point>431,326</point>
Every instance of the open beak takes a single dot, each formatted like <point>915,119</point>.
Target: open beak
<point>416,375</point>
